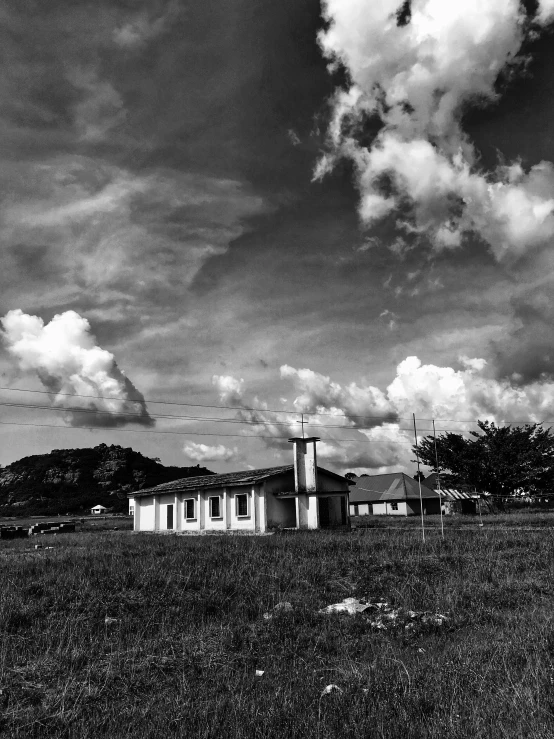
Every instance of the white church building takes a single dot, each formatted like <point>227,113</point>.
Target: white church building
<point>300,495</point>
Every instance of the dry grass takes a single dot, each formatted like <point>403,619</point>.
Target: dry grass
<point>186,634</point>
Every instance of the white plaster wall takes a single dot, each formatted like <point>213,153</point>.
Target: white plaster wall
<point>364,509</point>
<point>384,509</point>
<point>261,519</point>
<point>145,509</point>
<point>313,512</point>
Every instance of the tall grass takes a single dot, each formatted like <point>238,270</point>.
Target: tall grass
<point>180,656</point>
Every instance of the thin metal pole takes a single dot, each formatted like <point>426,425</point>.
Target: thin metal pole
<point>302,422</point>
<point>419,483</point>
<point>438,477</point>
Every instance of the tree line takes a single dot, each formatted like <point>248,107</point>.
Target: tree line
<point>503,461</point>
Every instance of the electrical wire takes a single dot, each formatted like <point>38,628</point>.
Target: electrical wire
<point>182,433</point>
<point>209,419</point>
<point>384,417</point>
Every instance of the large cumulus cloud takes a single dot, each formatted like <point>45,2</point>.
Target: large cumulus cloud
<point>81,378</point>
<point>413,69</point>
<point>365,428</point>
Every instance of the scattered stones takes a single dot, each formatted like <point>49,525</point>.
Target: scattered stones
<point>331,689</point>
<point>381,615</point>
<point>348,605</point>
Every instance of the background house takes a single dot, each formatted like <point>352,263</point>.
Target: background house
<point>299,495</point>
<point>393,494</point>
<point>98,509</point>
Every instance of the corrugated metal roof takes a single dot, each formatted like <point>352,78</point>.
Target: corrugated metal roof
<point>447,492</point>
<point>228,479</point>
<point>391,486</point>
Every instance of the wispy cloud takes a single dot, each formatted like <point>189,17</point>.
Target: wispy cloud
<point>140,28</point>
<point>110,232</point>
<point>100,107</point>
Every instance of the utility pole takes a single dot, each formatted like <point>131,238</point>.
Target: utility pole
<point>438,477</point>
<point>419,483</point>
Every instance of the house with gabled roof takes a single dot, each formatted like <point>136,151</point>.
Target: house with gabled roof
<point>392,494</point>
<point>299,495</point>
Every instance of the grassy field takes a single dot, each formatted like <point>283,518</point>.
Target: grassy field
<point>535,518</point>
<point>185,634</point>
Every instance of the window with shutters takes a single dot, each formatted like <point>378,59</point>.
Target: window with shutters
<point>241,503</point>
<point>189,509</point>
<point>215,507</point>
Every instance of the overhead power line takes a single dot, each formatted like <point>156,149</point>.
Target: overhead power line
<point>136,417</point>
<point>383,418</point>
<point>182,433</point>
<point>209,419</point>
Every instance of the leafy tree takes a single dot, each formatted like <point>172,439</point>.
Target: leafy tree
<point>419,476</point>
<point>500,460</point>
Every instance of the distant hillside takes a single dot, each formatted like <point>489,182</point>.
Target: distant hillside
<point>73,480</point>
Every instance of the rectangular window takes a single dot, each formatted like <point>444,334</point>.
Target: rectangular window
<point>189,509</point>
<point>241,503</point>
<point>132,510</point>
<point>215,507</point>
<point>394,506</point>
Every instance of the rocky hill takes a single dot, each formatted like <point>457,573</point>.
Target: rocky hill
<point>74,480</point>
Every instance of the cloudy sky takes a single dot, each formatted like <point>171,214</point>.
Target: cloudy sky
<point>342,208</point>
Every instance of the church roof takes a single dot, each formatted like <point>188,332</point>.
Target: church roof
<point>227,479</point>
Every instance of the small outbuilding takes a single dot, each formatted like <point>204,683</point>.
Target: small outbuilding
<point>297,496</point>
<point>392,494</point>
<point>98,509</point>
<point>454,500</point>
